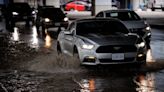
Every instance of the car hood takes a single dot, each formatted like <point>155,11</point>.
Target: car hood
<point>23,12</point>
<point>112,39</point>
<point>134,24</point>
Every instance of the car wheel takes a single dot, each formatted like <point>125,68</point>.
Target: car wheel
<point>27,23</point>
<point>37,29</point>
<point>148,46</point>
<point>10,25</point>
<point>162,9</point>
<point>59,30</point>
<point>76,57</point>
<point>43,31</point>
<point>76,54</point>
<point>72,9</point>
<point>59,49</point>
<point>152,9</point>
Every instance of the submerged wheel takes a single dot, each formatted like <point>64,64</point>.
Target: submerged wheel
<point>43,31</point>
<point>76,54</point>
<point>59,48</point>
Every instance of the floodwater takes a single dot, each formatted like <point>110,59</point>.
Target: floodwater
<point>30,63</point>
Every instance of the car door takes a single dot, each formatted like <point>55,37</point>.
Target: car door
<point>68,40</point>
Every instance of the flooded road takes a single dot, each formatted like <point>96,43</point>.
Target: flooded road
<point>29,63</point>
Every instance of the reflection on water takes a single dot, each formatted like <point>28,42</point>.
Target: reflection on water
<point>145,83</point>
<point>150,56</point>
<point>34,39</point>
<point>87,85</point>
<point>15,35</point>
<point>47,40</point>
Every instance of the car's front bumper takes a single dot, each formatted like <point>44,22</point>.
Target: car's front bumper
<point>90,57</point>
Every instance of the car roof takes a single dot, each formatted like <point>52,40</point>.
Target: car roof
<point>118,10</point>
<point>97,19</point>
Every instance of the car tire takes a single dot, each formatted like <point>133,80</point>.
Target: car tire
<point>10,25</point>
<point>43,31</point>
<point>71,9</point>
<point>162,9</point>
<point>59,49</point>
<point>76,54</point>
<point>28,23</point>
<point>153,9</point>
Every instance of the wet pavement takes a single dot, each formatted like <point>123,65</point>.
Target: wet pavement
<point>29,63</point>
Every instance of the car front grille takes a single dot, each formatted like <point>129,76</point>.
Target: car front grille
<point>116,49</point>
<point>116,61</point>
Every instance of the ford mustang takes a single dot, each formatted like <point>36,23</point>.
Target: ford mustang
<point>101,41</point>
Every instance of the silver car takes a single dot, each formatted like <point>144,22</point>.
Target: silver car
<point>101,41</point>
<point>131,20</point>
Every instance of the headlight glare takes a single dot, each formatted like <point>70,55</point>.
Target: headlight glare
<point>66,19</point>
<point>148,28</point>
<point>33,12</point>
<point>47,20</point>
<point>87,46</point>
<point>141,45</point>
<point>14,13</point>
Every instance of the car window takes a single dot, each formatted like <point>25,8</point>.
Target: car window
<point>52,13</point>
<point>20,6</point>
<point>124,16</point>
<point>101,28</point>
<point>81,3</point>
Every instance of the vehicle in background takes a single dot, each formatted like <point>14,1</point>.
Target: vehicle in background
<point>131,20</point>
<point>49,16</point>
<point>156,4</point>
<point>77,6</point>
<point>18,12</point>
<point>101,41</point>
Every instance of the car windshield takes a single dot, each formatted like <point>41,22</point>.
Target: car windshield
<point>20,7</point>
<point>101,28</point>
<point>52,13</point>
<point>124,15</point>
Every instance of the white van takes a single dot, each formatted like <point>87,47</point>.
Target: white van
<point>156,4</point>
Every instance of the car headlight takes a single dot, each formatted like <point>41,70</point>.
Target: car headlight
<point>15,13</point>
<point>33,12</point>
<point>66,19</point>
<point>148,28</point>
<point>141,45</point>
<point>87,46</point>
<point>47,20</point>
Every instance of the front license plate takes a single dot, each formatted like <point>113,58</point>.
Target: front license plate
<point>118,56</point>
<point>57,24</point>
